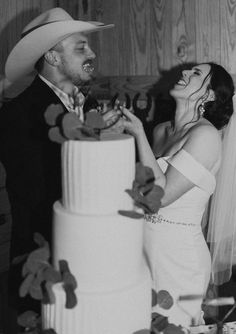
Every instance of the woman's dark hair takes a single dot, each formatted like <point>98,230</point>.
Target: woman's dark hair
<point>219,111</point>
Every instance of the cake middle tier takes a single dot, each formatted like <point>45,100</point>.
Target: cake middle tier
<point>103,252</point>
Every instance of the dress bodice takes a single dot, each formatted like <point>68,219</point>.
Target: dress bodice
<point>191,205</point>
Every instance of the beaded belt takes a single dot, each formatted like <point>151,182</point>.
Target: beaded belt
<point>159,219</point>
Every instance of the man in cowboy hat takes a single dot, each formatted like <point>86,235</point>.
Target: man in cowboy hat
<point>56,46</point>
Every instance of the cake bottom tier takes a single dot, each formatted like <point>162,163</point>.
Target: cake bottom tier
<point>125,311</point>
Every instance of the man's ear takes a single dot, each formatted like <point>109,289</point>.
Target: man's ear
<point>51,57</point>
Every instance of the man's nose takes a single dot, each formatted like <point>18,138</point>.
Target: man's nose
<point>91,54</point>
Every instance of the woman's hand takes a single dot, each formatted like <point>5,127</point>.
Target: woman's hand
<point>131,123</point>
<point>114,122</point>
<point>113,119</point>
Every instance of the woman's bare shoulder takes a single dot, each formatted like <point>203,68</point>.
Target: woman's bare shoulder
<point>205,132</point>
<point>204,143</point>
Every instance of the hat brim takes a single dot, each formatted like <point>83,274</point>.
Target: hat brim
<point>30,48</point>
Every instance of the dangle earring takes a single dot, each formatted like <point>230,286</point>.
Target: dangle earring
<point>201,110</point>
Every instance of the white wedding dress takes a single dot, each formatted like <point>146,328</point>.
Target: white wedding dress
<point>175,247</point>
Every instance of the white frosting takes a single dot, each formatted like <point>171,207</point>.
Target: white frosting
<point>123,311</point>
<point>95,175</point>
<point>103,252</point>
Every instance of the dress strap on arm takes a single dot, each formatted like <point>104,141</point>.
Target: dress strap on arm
<point>187,165</point>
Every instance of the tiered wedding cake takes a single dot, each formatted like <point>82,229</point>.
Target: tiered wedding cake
<point>104,249</point>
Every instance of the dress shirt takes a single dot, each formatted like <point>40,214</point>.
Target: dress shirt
<point>72,103</point>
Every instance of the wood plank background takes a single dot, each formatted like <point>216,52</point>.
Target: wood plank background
<point>151,40</point>
<point>149,35</point>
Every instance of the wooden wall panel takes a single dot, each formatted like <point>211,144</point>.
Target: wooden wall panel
<point>123,50</point>
<point>14,15</point>
<point>107,43</point>
<point>122,32</point>
<point>81,9</point>
<point>161,35</point>
<point>182,20</point>
<point>208,46</point>
<point>149,35</point>
<point>228,35</point>
<point>140,37</point>
<point>72,7</point>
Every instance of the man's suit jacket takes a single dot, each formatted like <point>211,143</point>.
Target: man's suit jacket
<point>32,164</point>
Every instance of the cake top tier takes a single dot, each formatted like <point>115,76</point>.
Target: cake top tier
<point>95,174</point>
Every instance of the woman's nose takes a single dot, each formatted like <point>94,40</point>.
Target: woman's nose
<point>185,73</point>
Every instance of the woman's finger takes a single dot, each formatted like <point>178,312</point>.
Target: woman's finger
<point>128,113</point>
<point>104,107</point>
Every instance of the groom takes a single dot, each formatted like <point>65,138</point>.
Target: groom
<point>56,47</point>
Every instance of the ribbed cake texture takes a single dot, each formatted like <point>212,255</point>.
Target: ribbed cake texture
<point>104,249</point>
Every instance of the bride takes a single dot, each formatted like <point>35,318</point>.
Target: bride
<point>185,158</point>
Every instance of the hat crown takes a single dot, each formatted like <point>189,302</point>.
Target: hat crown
<point>51,15</point>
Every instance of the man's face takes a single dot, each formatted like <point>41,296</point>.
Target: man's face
<point>76,59</point>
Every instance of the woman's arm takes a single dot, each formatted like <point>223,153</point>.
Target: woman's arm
<point>159,138</point>
<point>134,126</point>
<point>203,144</point>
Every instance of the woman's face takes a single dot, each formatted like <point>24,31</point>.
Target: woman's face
<point>191,86</point>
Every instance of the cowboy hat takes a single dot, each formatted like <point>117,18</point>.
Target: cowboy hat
<point>40,35</point>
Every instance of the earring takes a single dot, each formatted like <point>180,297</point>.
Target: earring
<point>201,110</point>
